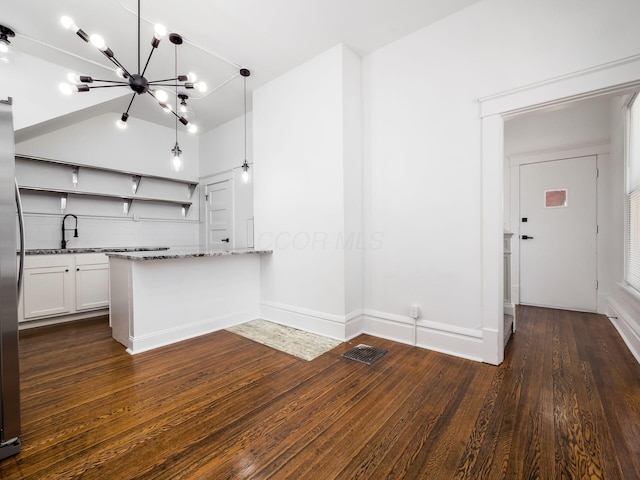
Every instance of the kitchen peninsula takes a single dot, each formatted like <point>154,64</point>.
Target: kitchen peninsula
<point>158,298</point>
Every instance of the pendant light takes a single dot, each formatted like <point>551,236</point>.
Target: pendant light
<point>245,166</point>
<point>177,162</point>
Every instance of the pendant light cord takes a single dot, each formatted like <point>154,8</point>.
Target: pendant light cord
<point>245,118</point>
<point>138,37</point>
<point>176,83</point>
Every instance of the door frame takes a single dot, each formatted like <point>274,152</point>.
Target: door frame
<point>617,77</point>
<point>600,151</point>
<point>211,180</point>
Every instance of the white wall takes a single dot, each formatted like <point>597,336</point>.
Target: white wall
<point>422,139</point>
<point>305,173</point>
<point>221,151</point>
<point>142,148</point>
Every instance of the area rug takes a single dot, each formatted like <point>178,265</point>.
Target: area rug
<point>298,343</point>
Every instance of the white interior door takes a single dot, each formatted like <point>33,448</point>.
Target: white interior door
<point>219,215</point>
<point>558,234</point>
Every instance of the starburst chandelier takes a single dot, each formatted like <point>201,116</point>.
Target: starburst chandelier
<point>135,81</point>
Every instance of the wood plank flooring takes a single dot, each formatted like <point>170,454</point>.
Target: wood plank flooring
<point>564,404</point>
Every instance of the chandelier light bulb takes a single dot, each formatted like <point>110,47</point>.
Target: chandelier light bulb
<point>69,24</point>
<point>161,95</point>
<point>201,87</point>
<point>120,124</point>
<point>166,107</point>
<point>192,128</point>
<point>98,42</point>
<point>66,88</point>
<point>160,31</point>
<point>73,78</point>
<point>4,48</point>
<point>120,73</point>
<point>192,77</point>
<point>245,176</point>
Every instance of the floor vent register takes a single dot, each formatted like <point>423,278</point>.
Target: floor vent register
<point>364,354</point>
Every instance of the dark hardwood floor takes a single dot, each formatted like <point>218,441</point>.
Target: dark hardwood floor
<point>564,404</point>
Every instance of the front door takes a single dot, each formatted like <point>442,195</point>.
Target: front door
<point>558,234</point>
<point>219,218</point>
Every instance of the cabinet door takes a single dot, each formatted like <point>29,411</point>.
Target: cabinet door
<point>48,291</point>
<point>92,286</point>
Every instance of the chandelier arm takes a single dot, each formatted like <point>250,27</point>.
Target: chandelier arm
<point>117,63</point>
<point>164,80</point>
<point>148,59</point>
<point>108,86</point>
<point>165,84</point>
<point>133,97</point>
<point>119,82</point>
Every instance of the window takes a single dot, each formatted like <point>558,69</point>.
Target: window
<point>632,270</point>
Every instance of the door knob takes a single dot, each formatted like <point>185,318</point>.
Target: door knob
<point>225,240</point>
<point>527,237</point>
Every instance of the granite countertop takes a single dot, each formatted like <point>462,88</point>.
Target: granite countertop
<point>55,251</point>
<point>185,253</point>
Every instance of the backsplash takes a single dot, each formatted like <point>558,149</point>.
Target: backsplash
<point>44,231</point>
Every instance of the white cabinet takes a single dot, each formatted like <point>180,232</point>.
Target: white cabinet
<point>56,285</point>
<point>48,286</point>
<point>92,281</point>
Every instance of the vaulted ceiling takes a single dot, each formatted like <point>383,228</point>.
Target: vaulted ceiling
<point>269,37</point>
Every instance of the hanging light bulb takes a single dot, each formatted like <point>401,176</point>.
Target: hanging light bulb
<point>245,166</point>
<point>177,164</point>
<point>245,172</point>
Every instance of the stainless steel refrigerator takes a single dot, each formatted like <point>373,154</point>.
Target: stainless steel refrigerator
<point>11,267</point>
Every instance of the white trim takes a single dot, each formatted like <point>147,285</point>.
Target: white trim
<point>440,337</point>
<point>559,154</point>
<point>313,321</point>
<point>626,327</point>
<point>620,76</point>
<point>142,343</point>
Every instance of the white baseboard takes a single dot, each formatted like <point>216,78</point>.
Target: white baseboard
<point>510,309</point>
<point>42,322</point>
<point>329,325</point>
<point>626,327</point>
<point>143,343</point>
<point>458,341</point>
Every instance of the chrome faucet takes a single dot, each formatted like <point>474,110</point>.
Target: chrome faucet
<point>75,230</point>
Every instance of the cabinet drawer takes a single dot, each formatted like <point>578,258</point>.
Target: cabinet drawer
<point>92,259</point>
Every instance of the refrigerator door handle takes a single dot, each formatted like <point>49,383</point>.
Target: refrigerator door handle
<point>21,228</point>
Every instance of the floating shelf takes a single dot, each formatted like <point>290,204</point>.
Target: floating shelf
<point>102,182</point>
<point>105,169</point>
<point>103,195</point>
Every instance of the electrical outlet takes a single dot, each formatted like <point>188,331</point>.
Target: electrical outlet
<point>414,311</point>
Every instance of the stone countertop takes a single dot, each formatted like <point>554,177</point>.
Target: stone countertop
<point>55,251</point>
<point>185,253</point>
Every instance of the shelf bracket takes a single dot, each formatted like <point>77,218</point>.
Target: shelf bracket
<point>126,205</point>
<point>191,187</point>
<point>185,210</point>
<point>63,202</point>
<point>74,176</point>
<point>135,183</point>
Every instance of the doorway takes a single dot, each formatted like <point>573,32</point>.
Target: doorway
<point>219,214</point>
<point>558,234</point>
